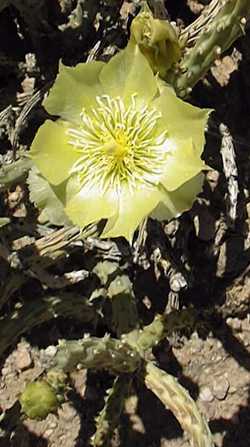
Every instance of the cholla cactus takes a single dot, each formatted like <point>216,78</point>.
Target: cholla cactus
<point>221,23</point>
<point>124,147</point>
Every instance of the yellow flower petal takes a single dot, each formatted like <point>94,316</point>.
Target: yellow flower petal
<point>182,120</point>
<point>182,164</point>
<point>51,152</point>
<point>48,199</point>
<point>91,205</point>
<point>74,88</point>
<point>127,73</point>
<point>180,200</point>
<point>133,207</point>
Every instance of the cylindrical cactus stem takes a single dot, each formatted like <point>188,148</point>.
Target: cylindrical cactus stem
<point>124,310</point>
<point>40,310</point>
<point>119,289</point>
<point>175,398</point>
<point>108,418</point>
<point>215,37</point>
<point>161,326</point>
<point>99,353</point>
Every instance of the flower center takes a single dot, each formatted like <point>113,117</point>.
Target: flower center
<point>119,143</point>
<point>116,147</point>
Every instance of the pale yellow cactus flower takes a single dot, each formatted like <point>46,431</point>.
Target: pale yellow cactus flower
<point>124,146</point>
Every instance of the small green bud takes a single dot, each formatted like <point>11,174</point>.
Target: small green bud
<point>38,400</point>
<point>157,40</point>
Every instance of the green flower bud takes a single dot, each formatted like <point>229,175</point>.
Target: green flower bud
<point>38,400</point>
<point>157,40</point>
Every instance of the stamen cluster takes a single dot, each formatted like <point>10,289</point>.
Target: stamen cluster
<point>119,143</point>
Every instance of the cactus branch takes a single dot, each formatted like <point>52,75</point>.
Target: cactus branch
<point>161,327</point>
<point>38,311</point>
<point>214,38</point>
<point>177,399</point>
<point>192,32</point>
<point>99,353</point>
<point>108,418</point>
<point>118,356</point>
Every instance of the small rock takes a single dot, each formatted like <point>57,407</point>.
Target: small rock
<point>53,424</point>
<point>177,282</point>
<point>50,351</point>
<point>234,323</point>
<point>79,379</point>
<point>48,433</point>
<point>209,410</point>
<point>212,178</point>
<point>246,340</point>
<point>245,325</point>
<point>197,346</point>
<point>23,359</point>
<point>183,357</point>
<point>67,412</point>
<point>220,388</point>
<point>195,6</point>
<point>219,344</point>
<point>172,227</point>
<point>6,370</point>
<point>206,394</point>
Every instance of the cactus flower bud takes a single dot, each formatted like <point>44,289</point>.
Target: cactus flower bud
<point>157,40</point>
<point>38,400</point>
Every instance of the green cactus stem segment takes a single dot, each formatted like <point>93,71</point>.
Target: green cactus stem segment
<point>109,417</point>
<point>178,400</point>
<point>34,313</point>
<point>215,38</point>
<point>118,143</point>
<point>161,327</point>
<point>97,353</point>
